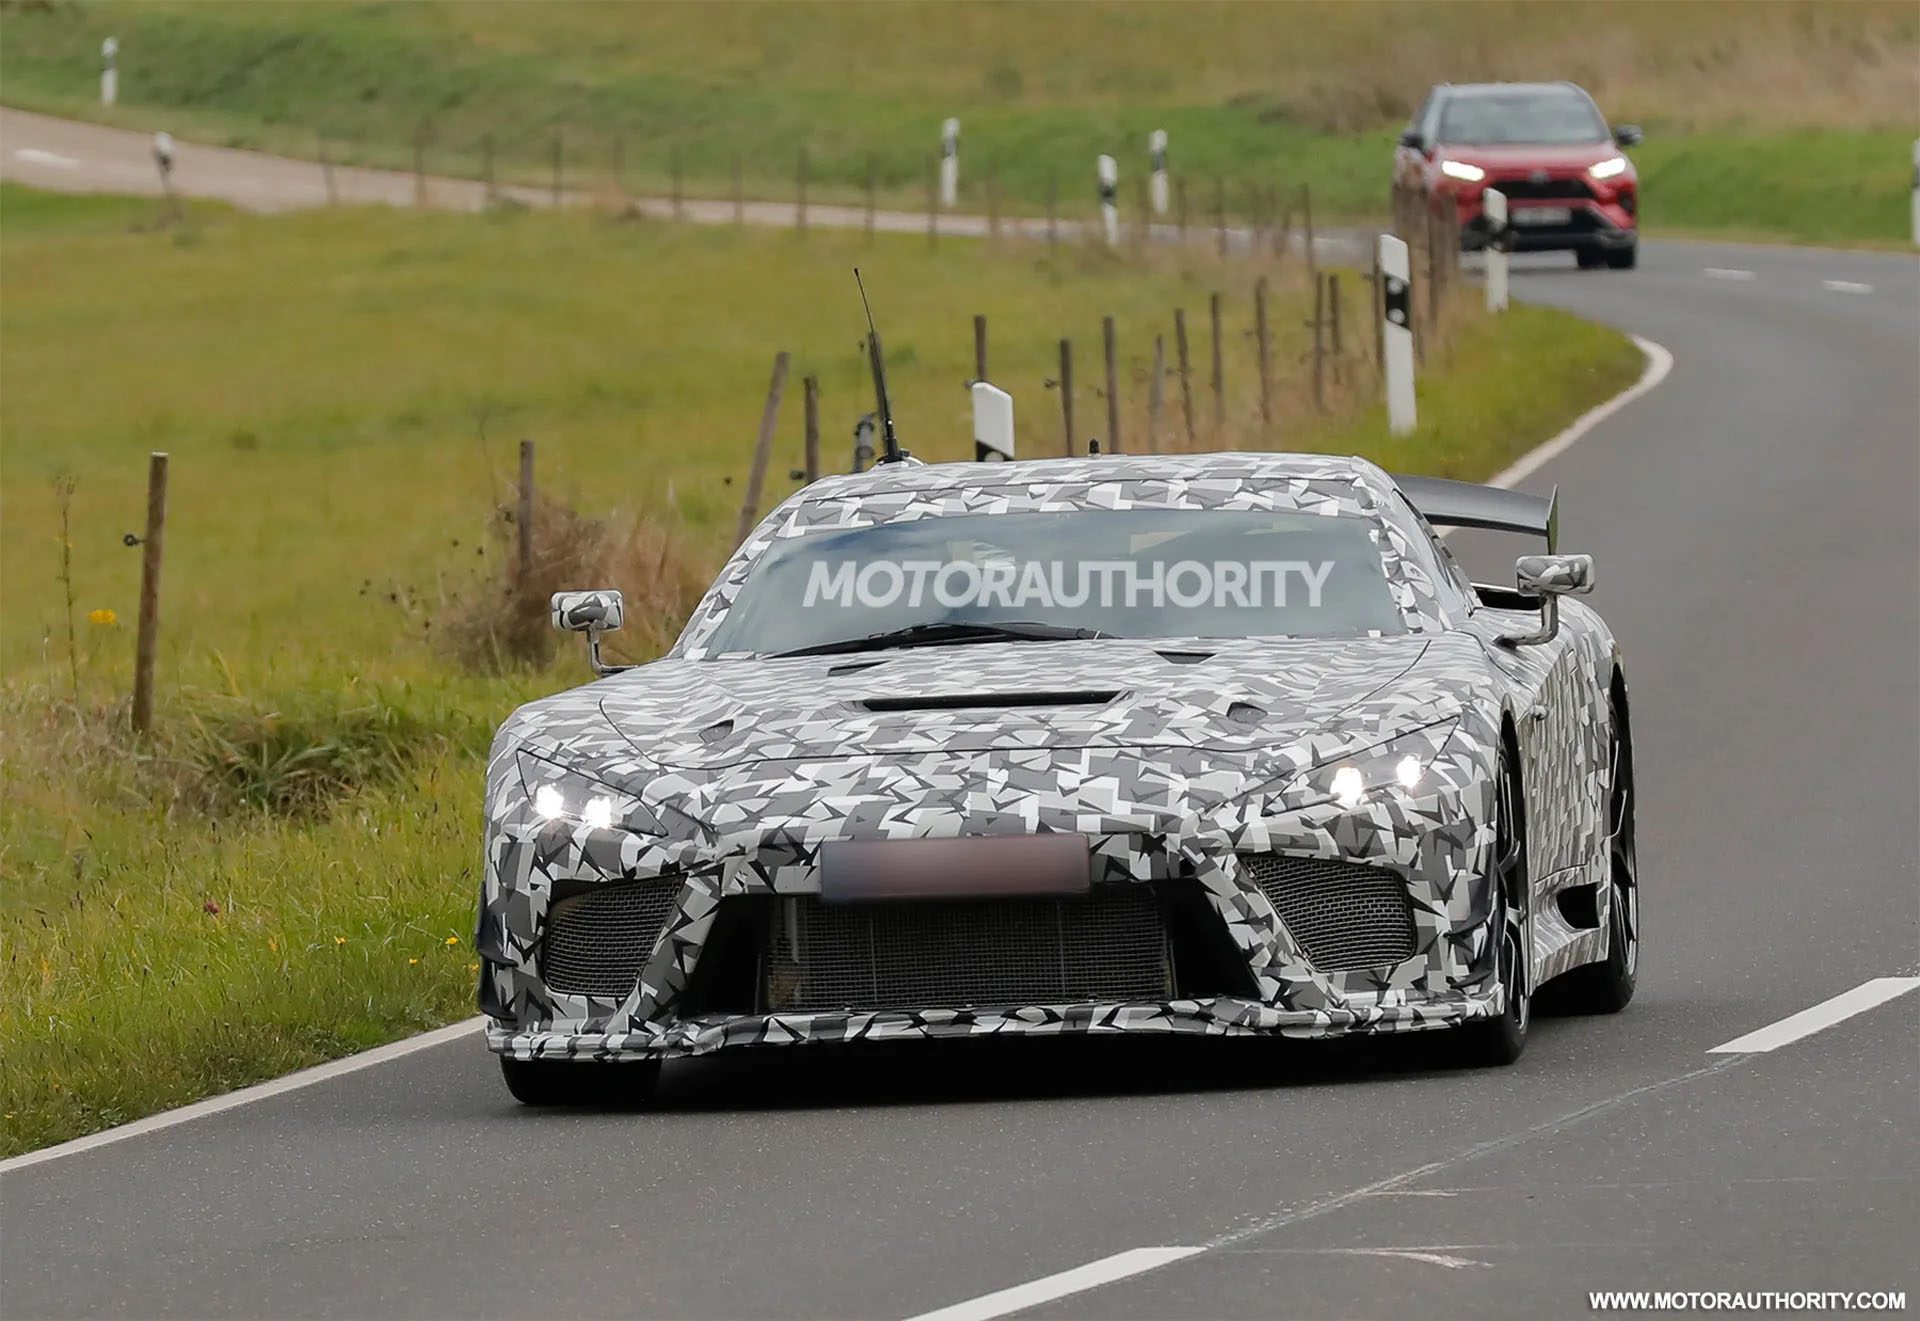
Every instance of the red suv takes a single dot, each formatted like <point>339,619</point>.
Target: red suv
<point>1547,147</point>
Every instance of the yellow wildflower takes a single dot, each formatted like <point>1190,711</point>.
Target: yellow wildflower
<point>339,940</point>
<point>102,617</point>
<point>452,941</point>
<point>411,962</point>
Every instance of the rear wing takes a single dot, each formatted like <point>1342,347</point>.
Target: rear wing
<point>1446,503</point>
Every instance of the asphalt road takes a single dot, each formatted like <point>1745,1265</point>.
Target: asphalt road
<point>1755,530</point>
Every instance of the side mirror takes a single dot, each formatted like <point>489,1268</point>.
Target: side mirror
<point>592,613</point>
<point>1549,577</point>
<point>1628,135</point>
<point>1412,138</point>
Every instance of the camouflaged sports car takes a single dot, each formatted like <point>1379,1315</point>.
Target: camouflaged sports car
<point>1210,744</point>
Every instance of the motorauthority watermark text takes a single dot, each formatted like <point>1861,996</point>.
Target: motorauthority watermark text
<point>1747,1300</point>
<point>1038,585</point>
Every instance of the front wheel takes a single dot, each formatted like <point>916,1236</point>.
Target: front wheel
<point>1499,1041</point>
<point>580,1082</point>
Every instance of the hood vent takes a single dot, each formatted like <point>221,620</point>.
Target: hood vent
<point>1184,657</point>
<point>989,701</point>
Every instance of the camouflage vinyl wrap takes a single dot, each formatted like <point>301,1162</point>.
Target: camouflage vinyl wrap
<point>726,774</point>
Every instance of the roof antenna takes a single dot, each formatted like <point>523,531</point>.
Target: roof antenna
<point>892,453</point>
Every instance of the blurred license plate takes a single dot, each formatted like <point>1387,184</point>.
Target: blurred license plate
<point>1542,215</point>
<point>970,867</point>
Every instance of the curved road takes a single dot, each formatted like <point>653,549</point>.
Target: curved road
<point>1754,524</point>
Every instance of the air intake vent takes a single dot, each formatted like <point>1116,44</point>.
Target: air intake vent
<point>1110,946</point>
<point>1345,915</point>
<point>598,941</point>
<point>988,701</point>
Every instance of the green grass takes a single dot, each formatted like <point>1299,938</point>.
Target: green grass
<point>1755,113</point>
<point>275,876</point>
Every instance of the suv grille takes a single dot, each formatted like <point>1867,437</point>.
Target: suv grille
<point>924,955</point>
<point>1345,915</point>
<point>598,941</point>
<point>1555,189</point>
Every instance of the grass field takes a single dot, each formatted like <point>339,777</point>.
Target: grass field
<point>286,870</point>
<point>1790,120</point>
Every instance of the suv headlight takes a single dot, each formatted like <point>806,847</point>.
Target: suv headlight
<point>1462,171</point>
<point>558,793</point>
<point>1609,167</point>
<point>1400,765</point>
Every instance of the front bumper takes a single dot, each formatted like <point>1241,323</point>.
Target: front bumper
<point>1213,1016</point>
<point>1598,215</point>
<point>1436,844</point>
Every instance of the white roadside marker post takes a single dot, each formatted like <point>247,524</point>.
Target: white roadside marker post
<point>1109,174</point>
<point>992,424</point>
<point>1916,192</point>
<point>1494,204</point>
<point>1157,161</point>
<point>110,71</point>
<point>950,164</point>
<point>1396,331</point>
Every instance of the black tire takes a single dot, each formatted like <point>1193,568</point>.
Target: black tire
<point>1590,259</point>
<point>580,1083</point>
<point>1607,987</point>
<point>1623,259</point>
<point>1495,1042</point>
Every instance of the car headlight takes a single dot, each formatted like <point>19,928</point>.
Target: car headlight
<point>1609,167</point>
<point>557,793</point>
<point>1462,171</point>
<point>1400,765</point>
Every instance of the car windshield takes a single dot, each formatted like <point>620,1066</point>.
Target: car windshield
<point>1037,577</point>
<point>1542,116</point>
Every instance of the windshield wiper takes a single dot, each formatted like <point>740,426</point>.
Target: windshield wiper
<point>950,631</point>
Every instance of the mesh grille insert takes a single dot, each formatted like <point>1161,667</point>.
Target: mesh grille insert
<point>946,955</point>
<point>597,941</point>
<point>1345,915</point>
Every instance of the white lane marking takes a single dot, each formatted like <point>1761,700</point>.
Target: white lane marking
<point>1790,1029</point>
<point>1659,363</point>
<point>1846,286</point>
<point>1119,1266</point>
<point>1726,273</point>
<point>35,156</point>
<point>366,1059</point>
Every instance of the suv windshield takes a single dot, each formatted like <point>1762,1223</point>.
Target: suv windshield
<point>1540,116</point>
<point>1138,573</point>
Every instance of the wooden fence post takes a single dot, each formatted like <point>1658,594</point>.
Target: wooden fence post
<point>800,202</point>
<point>1374,311</point>
<point>812,386</point>
<point>326,172</point>
<point>1066,392</point>
<point>933,203</point>
<point>1219,366</point>
<point>1053,211</point>
<point>150,549</point>
<point>1319,345</point>
<point>1180,208</point>
<point>420,166</point>
<point>1156,393</point>
<point>1263,344</point>
<point>1333,318</point>
<point>872,183</point>
<point>1113,385</point>
<point>523,512</point>
<point>980,346</point>
<point>763,450</point>
<point>1186,373</point>
<point>1306,232</point>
